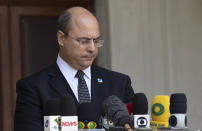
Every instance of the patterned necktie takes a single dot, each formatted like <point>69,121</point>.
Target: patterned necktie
<point>83,93</point>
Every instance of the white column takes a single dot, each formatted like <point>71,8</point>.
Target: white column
<point>158,43</point>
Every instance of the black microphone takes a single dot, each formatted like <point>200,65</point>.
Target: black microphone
<point>69,119</point>
<point>87,117</point>
<point>178,109</point>
<point>140,111</point>
<point>52,115</point>
<point>115,110</point>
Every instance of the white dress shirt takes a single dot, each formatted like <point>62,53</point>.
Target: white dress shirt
<point>69,74</point>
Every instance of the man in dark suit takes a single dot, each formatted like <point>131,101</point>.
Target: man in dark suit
<point>79,38</point>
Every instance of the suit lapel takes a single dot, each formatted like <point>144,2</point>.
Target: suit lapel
<point>97,85</point>
<point>58,82</point>
<point>61,86</point>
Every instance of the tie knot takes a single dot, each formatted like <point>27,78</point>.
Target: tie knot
<point>79,74</point>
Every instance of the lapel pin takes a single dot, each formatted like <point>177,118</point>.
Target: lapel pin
<point>99,80</point>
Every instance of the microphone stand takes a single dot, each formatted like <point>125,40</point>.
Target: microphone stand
<point>127,127</point>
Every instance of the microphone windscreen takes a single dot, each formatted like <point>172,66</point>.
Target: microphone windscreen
<point>111,105</point>
<point>52,107</point>
<point>116,111</point>
<point>177,108</point>
<point>178,98</point>
<point>86,112</point>
<point>140,104</point>
<point>67,106</point>
<point>178,103</point>
<point>160,111</point>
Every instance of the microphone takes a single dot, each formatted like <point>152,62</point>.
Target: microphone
<point>113,109</point>
<point>69,119</point>
<point>52,115</point>
<point>178,109</point>
<point>140,111</point>
<point>87,116</point>
<point>160,112</point>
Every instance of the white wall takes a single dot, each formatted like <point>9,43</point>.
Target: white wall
<point>159,44</point>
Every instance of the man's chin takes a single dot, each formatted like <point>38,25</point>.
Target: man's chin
<point>86,65</point>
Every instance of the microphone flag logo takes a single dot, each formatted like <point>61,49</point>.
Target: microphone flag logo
<point>81,125</point>
<point>51,123</point>
<point>87,125</point>
<point>142,122</point>
<point>92,125</point>
<point>57,120</point>
<point>158,109</point>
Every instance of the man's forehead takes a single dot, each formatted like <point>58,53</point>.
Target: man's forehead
<point>92,34</point>
<point>85,33</point>
<point>85,23</point>
<point>79,13</point>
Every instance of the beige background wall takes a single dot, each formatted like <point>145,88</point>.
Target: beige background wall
<point>159,44</point>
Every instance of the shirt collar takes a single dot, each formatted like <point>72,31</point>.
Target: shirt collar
<point>87,72</point>
<point>72,71</point>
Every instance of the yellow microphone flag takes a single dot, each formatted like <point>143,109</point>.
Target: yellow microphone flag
<point>160,111</point>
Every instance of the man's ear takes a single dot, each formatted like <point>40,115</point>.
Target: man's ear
<point>60,36</point>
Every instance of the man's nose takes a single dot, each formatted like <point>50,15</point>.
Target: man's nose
<point>92,46</point>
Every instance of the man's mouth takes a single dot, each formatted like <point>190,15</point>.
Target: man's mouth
<point>88,58</point>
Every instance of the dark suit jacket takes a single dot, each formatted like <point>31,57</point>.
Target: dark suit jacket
<point>34,91</point>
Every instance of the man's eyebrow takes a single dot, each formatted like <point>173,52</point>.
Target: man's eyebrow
<point>98,37</point>
<point>86,38</point>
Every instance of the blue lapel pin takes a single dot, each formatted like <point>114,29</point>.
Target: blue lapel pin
<point>99,80</point>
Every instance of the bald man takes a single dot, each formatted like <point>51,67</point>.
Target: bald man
<point>73,73</point>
